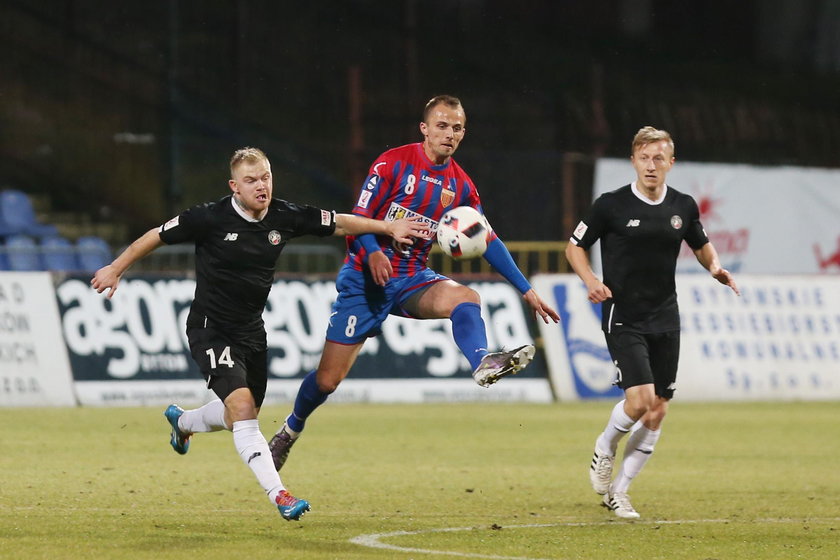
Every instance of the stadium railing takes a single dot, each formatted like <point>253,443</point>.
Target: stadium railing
<point>296,258</point>
<point>531,257</point>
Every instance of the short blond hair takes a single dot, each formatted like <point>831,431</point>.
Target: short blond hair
<point>247,154</point>
<point>648,135</point>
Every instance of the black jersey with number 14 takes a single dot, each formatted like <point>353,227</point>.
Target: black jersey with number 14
<point>236,256</point>
<point>640,243</point>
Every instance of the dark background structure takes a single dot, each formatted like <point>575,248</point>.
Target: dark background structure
<point>128,111</point>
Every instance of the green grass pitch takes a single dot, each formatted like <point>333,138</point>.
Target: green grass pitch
<point>493,481</point>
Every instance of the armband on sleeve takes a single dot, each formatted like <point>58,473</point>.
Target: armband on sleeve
<point>499,257</point>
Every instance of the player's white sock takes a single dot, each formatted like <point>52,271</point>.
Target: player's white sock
<point>208,418</point>
<point>638,450</point>
<point>618,425</point>
<point>290,431</point>
<point>252,447</point>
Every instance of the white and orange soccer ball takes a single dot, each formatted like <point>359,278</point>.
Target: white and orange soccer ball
<point>463,233</point>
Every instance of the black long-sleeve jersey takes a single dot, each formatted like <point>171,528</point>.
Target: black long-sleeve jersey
<point>640,243</point>
<point>235,259</point>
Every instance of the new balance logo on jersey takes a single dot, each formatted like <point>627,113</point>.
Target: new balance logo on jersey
<point>231,236</point>
<point>633,223</point>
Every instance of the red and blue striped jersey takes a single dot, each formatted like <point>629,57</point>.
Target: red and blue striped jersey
<point>401,183</point>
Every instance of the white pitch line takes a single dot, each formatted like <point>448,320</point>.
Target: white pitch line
<point>373,540</point>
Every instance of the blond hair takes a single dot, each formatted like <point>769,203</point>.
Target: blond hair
<point>648,135</point>
<point>247,154</point>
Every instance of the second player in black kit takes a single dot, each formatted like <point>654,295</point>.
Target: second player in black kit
<point>640,242</point>
<point>237,243</point>
<point>641,227</point>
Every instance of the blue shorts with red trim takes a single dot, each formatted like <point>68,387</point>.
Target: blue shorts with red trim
<point>362,306</point>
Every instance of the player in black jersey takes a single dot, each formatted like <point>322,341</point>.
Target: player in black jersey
<point>641,227</point>
<point>237,242</point>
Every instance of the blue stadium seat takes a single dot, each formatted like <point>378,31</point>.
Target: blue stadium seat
<point>93,253</point>
<point>18,216</point>
<point>59,254</point>
<point>4,259</point>
<point>22,253</point>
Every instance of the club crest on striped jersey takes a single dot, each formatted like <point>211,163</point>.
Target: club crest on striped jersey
<point>447,195</point>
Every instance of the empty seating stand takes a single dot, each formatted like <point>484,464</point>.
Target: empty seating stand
<point>92,252</point>
<point>59,254</point>
<point>22,253</point>
<point>27,245</point>
<point>18,217</point>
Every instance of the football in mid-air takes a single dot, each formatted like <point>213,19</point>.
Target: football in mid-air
<point>463,233</point>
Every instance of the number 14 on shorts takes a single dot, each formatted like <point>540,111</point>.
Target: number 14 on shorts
<point>224,357</point>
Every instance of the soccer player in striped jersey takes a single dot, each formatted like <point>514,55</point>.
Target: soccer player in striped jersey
<point>381,278</point>
<point>641,227</point>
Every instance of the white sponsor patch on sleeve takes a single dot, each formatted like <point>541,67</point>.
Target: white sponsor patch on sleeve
<point>364,199</point>
<point>326,217</point>
<point>580,230</point>
<point>170,224</point>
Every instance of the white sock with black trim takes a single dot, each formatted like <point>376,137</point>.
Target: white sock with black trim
<point>252,447</point>
<point>618,425</point>
<point>637,452</point>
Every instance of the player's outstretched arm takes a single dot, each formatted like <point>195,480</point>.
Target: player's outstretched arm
<point>707,256</point>
<point>401,230</point>
<point>500,258</point>
<point>108,277</point>
<point>540,307</point>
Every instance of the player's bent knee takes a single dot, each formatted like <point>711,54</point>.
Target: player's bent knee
<point>471,296</point>
<point>463,294</point>
<point>638,406</point>
<point>327,383</point>
<point>239,405</point>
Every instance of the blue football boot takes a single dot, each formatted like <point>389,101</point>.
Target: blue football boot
<point>290,507</point>
<point>180,441</point>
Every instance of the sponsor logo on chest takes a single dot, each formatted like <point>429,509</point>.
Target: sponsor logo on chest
<point>274,237</point>
<point>395,212</point>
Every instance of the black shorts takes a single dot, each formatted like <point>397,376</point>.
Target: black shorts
<point>228,366</point>
<point>646,358</point>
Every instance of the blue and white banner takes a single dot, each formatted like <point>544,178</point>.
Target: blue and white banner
<point>579,364</point>
<point>779,341</point>
<point>133,349</point>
